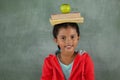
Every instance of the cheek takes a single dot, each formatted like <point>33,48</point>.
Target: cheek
<point>76,42</point>
<point>60,43</point>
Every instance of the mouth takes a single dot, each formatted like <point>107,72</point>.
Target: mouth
<point>68,46</point>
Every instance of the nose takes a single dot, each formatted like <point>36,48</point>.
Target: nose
<point>68,41</point>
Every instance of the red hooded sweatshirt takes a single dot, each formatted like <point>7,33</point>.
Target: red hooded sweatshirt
<point>82,69</point>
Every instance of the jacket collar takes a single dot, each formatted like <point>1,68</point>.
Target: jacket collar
<point>56,64</point>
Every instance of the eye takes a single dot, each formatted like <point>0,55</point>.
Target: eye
<point>63,38</point>
<point>72,37</point>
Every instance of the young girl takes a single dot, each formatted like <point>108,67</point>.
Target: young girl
<point>66,63</point>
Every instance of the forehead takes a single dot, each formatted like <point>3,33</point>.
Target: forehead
<point>68,30</point>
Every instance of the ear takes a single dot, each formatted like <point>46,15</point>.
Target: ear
<point>78,37</point>
<point>55,40</point>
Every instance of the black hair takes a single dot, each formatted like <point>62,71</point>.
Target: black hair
<point>57,27</point>
<point>65,25</point>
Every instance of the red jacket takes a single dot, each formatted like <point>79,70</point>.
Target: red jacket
<point>82,69</point>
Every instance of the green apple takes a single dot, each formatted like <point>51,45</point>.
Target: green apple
<point>65,8</point>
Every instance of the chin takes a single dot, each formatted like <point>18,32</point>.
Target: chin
<point>72,50</point>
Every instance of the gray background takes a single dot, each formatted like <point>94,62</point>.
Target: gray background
<point>26,36</point>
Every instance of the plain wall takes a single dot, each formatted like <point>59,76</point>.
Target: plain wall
<point>26,36</point>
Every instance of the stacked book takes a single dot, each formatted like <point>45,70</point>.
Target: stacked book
<point>62,18</point>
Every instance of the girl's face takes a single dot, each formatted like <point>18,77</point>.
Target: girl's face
<point>67,39</point>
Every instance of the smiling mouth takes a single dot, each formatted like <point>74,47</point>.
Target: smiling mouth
<point>69,46</point>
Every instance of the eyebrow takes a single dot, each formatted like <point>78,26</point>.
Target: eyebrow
<point>65,35</point>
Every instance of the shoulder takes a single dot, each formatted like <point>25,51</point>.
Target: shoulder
<point>86,57</point>
<point>50,57</point>
<point>84,54</point>
<point>48,60</point>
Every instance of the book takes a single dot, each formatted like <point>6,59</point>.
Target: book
<point>62,16</point>
<point>58,21</point>
<point>69,17</point>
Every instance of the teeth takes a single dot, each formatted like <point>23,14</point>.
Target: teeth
<point>68,46</point>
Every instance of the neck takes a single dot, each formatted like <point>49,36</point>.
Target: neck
<point>66,58</point>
